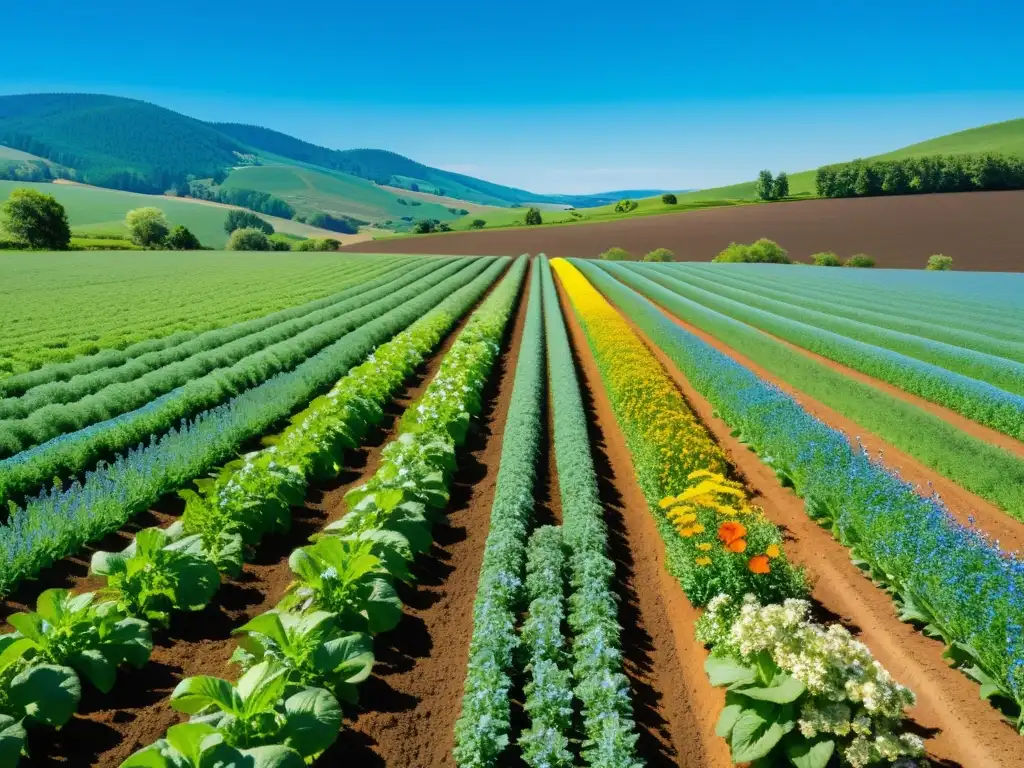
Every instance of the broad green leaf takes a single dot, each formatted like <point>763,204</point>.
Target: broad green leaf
<point>108,563</point>
<point>313,721</point>
<point>351,656</point>
<point>268,624</point>
<point>271,757</point>
<point>726,671</point>
<point>262,686</point>
<point>383,607</point>
<point>194,694</point>
<point>198,581</point>
<point>95,667</point>
<point>12,739</point>
<point>809,754</point>
<point>190,738</point>
<point>782,690</point>
<point>13,649</point>
<point>758,729</point>
<point>728,719</point>
<point>29,624</point>
<point>130,641</point>
<point>46,693</point>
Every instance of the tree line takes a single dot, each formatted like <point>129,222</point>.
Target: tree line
<point>920,175</point>
<point>254,200</point>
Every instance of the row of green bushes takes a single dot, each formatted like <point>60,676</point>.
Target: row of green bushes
<point>913,175</point>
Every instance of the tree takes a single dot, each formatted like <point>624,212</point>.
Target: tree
<point>328,244</point>
<point>669,199</point>
<point>477,224</point>
<point>861,260</point>
<point>765,187</point>
<point>780,188</point>
<point>181,239</point>
<point>533,217</point>
<point>939,263</point>
<point>148,226</point>
<point>615,254</point>
<point>660,254</point>
<point>249,239</point>
<point>424,227</point>
<point>37,220</point>
<point>246,220</point>
<point>825,259</point>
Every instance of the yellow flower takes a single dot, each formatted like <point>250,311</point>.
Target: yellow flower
<point>704,560</point>
<point>700,473</point>
<point>667,502</point>
<point>772,551</point>
<point>693,530</point>
<point>682,519</point>
<point>705,546</point>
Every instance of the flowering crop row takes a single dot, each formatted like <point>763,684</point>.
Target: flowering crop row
<point>317,642</point>
<point>482,731</point>
<point>161,370</point>
<point>60,521</point>
<point>600,684</point>
<point>859,344</point>
<point>176,569</point>
<point>945,576</point>
<point>77,451</point>
<point>723,552</point>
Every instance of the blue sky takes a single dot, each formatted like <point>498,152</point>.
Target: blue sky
<point>565,97</point>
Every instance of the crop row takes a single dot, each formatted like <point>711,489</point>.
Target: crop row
<point>787,702</point>
<point>967,361</point>
<point>168,570</point>
<point>977,400</point>
<point>317,642</point>
<point>60,521</point>
<point>985,469</point>
<point>70,382</point>
<point>74,452</point>
<point>946,577</point>
<point>107,301</point>
<point>840,306</point>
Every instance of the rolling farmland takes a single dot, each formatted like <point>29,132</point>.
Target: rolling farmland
<point>498,510</point>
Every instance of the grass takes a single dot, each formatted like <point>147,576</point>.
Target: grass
<point>309,191</point>
<point>92,210</point>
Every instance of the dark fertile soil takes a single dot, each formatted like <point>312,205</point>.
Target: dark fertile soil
<point>981,230</point>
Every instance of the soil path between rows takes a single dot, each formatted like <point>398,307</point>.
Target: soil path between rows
<point>960,729</point>
<point>963,504</point>
<point>675,707</point>
<point>110,727</point>
<point>409,706</point>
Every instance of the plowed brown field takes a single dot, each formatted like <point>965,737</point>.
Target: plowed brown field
<point>980,230</point>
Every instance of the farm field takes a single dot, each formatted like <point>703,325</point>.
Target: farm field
<point>980,230</point>
<point>499,510</point>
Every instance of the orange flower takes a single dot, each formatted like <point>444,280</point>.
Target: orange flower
<point>759,564</point>
<point>772,551</point>
<point>731,531</point>
<point>739,545</point>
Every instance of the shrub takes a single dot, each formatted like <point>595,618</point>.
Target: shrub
<point>477,224</point>
<point>327,244</point>
<point>182,239</point>
<point>533,217</point>
<point>444,226</point>
<point>660,254</point>
<point>424,227</point>
<point>860,260</point>
<point>669,199</point>
<point>615,254</point>
<point>37,220</point>
<point>734,253</point>
<point>826,259</point>
<point>305,245</point>
<point>279,242</point>
<point>344,224</point>
<point>763,251</point>
<point>246,220</point>
<point>148,226</point>
<point>939,263</point>
<point>626,205</point>
<point>249,239</point>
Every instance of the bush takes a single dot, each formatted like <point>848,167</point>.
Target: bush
<point>615,254</point>
<point>148,226</point>
<point>246,220</point>
<point>424,227</point>
<point>344,224</point>
<point>733,253</point>
<point>860,260</point>
<point>249,239</point>
<point>533,217</point>
<point>477,224</point>
<point>37,220</point>
<point>763,251</point>
<point>669,199</point>
<point>327,244</point>
<point>826,259</point>
<point>660,254</point>
<point>626,205</point>
<point>305,245</point>
<point>279,242</point>
<point>939,263</point>
<point>182,239</point>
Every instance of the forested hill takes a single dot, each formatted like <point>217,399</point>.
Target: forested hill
<point>116,142</point>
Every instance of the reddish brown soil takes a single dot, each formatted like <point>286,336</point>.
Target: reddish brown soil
<point>675,707</point>
<point>409,706</point>
<point>961,502</point>
<point>960,729</point>
<point>108,728</point>
<point>980,230</point>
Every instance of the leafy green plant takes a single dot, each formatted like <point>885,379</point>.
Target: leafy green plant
<point>660,255</point>
<point>533,217</point>
<point>75,631</point>
<point>159,572</point>
<point>260,710</point>
<point>200,745</point>
<point>939,263</point>
<point>626,205</point>
<point>826,259</point>
<point>861,260</point>
<point>312,646</point>
<point>669,199</point>
<point>615,254</point>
